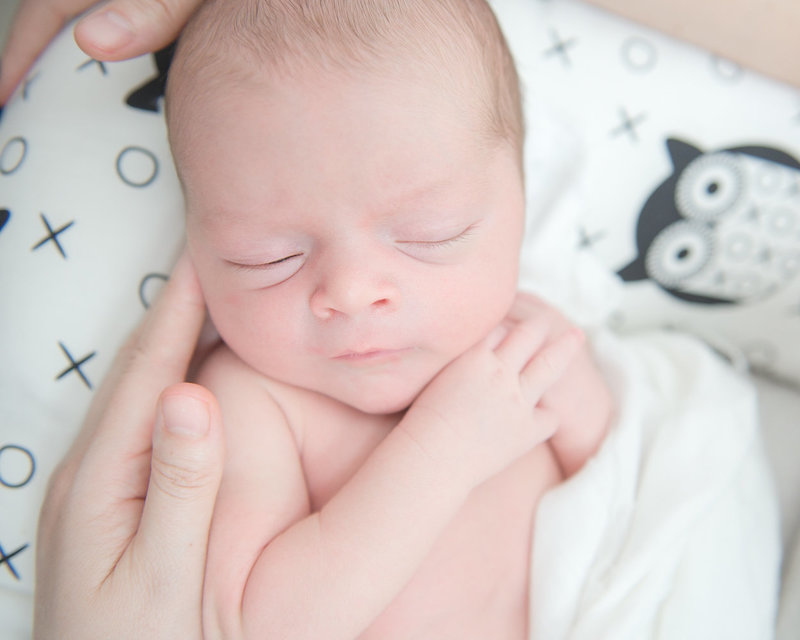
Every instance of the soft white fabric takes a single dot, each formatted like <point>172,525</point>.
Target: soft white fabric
<point>780,418</point>
<point>671,531</point>
<point>789,615</point>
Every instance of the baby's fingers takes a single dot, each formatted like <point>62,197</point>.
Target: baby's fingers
<point>521,342</point>
<point>547,367</point>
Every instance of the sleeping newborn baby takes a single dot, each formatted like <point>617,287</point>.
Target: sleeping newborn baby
<point>395,410</point>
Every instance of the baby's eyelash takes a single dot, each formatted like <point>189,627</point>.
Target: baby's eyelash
<point>442,243</point>
<point>264,265</point>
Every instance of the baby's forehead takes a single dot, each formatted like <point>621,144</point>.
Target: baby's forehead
<point>448,46</point>
<point>446,38</point>
<point>199,101</point>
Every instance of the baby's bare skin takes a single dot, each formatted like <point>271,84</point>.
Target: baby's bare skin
<point>474,581</point>
<point>391,526</point>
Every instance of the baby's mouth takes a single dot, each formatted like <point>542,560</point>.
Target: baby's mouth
<point>370,356</point>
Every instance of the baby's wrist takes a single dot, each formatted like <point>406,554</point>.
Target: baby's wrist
<point>442,447</point>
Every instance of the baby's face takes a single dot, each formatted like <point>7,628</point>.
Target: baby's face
<point>351,236</point>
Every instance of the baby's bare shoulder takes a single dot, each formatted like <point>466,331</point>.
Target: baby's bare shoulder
<point>331,439</point>
<point>252,412</point>
<point>226,374</point>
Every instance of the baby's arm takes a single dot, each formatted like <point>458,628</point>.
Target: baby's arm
<point>330,574</point>
<point>581,399</point>
<point>263,488</point>
<point>757,34</point>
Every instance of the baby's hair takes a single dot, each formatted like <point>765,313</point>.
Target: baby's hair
<point>458,40</point>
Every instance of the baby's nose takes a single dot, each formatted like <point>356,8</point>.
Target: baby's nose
<point>350,286</point>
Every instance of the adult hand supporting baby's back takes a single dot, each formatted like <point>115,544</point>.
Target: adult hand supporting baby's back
<point>124,528</point>
<point>117,30</point>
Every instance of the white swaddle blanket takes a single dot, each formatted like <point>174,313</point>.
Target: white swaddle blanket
<point>671,530</point>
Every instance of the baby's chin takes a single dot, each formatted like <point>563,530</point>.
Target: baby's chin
<point>387,396</point>
<point>381,403</point>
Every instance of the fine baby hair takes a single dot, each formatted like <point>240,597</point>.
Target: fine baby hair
<point>459,41</point>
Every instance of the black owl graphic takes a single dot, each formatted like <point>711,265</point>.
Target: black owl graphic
<point>724,228</point>
<point>147,96</point>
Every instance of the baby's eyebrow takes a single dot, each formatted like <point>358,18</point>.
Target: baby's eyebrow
<point>421,193</point>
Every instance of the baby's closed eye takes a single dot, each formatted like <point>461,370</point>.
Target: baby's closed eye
<point>429,247</point>
<point>270,272</point>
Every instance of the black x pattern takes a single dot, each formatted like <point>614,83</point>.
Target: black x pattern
<point>6,559</point>
<point>99,63</point>
<point>52,236</point>
<point>26,85</point>
<point>628,124</point>
<point>588,240</point>
<point>75,365</point>
<point>560,47</point>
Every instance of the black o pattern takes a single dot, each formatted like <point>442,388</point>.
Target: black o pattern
<point>28,459</point>
<point>13,155</point>
<point>130,154</point>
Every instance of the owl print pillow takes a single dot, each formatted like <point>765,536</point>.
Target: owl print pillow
<point>689,178</point>
<point>718,249</point>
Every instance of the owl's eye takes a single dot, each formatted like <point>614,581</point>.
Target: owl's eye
<point>680,251</point>
<point>709,186</point>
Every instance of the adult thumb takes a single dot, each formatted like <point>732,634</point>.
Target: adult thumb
<point>122,29</point>
<point>185,474</point>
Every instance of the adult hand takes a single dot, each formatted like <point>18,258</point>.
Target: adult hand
<point>117,30</point>
<point>124,528</point>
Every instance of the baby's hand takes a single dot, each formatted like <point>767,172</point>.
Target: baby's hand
<point>480,413</point>
<point>581,399</point>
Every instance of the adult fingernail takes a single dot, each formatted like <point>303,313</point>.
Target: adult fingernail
<point>108,30</point>
<point>184,415</point>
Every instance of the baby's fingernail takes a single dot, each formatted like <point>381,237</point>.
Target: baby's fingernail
<point>183,415</point>
<point>108,30</point>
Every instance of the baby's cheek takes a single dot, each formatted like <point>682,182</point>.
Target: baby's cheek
<point>225,309</point>
<point>232,299</point>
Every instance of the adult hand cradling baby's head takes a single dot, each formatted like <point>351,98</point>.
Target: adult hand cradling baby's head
<point>118,30</point>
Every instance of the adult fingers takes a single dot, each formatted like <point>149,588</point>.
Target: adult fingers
<point>122,29</point>
<point>155,357</point>
<point>186,469</point>
<point>547,367</point>
<point>35,24</point>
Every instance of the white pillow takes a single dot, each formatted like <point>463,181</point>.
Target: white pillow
<point>90,223</point>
